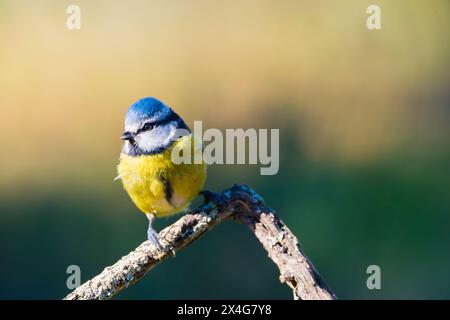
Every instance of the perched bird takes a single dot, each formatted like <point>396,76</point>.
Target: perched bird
<point>157,185</point>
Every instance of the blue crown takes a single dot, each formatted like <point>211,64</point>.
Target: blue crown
<point>147,108</point>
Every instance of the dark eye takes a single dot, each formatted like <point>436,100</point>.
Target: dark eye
<point>147,126</point>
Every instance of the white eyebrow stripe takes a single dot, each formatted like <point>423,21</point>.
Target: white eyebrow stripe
<point>132,127</point>
<point>135,126</point>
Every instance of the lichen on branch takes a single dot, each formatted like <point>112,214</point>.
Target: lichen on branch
<point>240,203</point>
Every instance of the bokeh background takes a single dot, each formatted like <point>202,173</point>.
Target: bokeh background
<point>364,128</point>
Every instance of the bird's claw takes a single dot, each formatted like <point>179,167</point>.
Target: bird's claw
<point>153,239</point>
<point>214,197</point>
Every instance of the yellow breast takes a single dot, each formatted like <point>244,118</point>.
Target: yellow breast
<point>157,185</point>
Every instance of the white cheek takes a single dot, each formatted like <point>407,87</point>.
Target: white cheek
<point>156,138</point>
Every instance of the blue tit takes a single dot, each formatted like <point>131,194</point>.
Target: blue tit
<point>156,185</point>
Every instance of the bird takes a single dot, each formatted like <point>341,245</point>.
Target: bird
<point>155,183</point>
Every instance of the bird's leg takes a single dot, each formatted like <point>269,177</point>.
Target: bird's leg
<point>214,197</point>
<point>152,235</point>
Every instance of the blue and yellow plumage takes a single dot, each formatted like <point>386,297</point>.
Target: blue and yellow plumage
<point>158,186</point>
<point>146,180</point>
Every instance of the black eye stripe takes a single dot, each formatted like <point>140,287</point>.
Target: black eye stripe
<point>149,125</point>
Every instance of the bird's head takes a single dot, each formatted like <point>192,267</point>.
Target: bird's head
<point>151,127</point>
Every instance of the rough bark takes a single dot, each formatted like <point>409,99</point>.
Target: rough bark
<point>242,204</point>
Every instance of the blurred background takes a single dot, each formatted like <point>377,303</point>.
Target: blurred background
<point>364,140</point>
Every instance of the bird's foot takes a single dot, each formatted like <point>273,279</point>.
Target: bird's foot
<point>214,197</point>
<point>152,236</point>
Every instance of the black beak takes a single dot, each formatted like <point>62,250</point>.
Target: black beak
<point>127,136</point>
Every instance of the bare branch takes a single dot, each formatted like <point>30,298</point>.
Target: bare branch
<point>242,204</point>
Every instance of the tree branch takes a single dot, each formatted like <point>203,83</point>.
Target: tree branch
<point>242,204</point>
